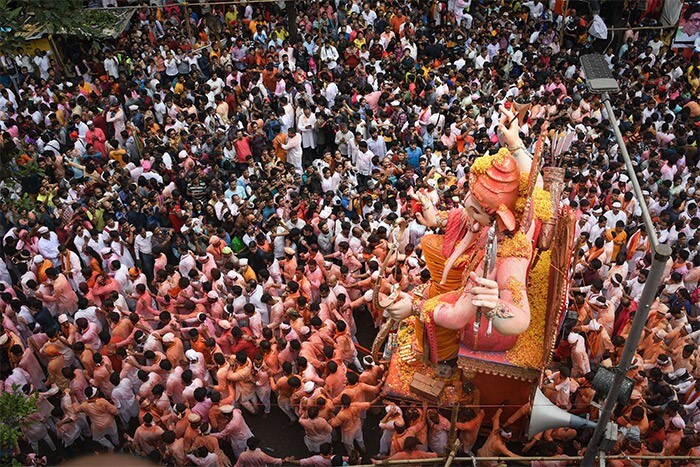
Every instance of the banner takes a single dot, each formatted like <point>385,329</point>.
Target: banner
<point>688,32</point>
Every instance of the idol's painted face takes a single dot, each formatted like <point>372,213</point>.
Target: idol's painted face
<point>476,212</point>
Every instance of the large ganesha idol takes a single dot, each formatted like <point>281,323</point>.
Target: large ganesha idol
<point>501,200</point>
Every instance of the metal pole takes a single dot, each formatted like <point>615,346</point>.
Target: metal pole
<point>563,23</point>
<point>187,21</point>
<point>318,18</point>
<point>452,437</point>
<point>453,453</point>
<point>642,28</point>
<point>661,255</point>
<point>630,171</point>
<point>469,460</point>
<point>292,20</point>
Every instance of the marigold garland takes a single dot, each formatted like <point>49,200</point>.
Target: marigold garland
<point>429,306</point>
<point>515,287</point>
<point>542,203</point>
<point>517,246</point>
<point>482,164</point>
<point>528,350</point>
<point>523,183</point>
<point>408,364</point>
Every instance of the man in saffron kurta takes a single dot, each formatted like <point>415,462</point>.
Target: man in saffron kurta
<point>66,299</point>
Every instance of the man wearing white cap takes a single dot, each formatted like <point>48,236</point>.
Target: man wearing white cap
<point>245,270</point>
<point>393,416</point>
<point>198,365</point>
<point>174,348</point>
<point>47,245</point>
<point>604,312</point>
<point>236,431</point>
<point>107,256</point>
<point>580,364</point>
<point>674,434</point>
<point>598,339</point>
<point>615,215</point>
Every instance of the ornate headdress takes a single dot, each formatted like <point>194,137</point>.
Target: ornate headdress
<point>494,181</point>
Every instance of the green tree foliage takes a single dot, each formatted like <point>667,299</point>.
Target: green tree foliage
<point>15,410</point>
<point>53,16</point>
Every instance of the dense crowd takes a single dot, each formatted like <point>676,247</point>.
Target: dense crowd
<point>191,226</point>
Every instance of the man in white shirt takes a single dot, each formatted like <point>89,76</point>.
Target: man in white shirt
<point>216,84</point>
<point>48,245</point>
<point>598,30</point>
<point>369,15</point>
<point>293,148</point>
<point>364,163</point>
<point>536,9</point>
<point>306,124</point>
<point>41,60</point>
<point>329,55</point>
<point>159,108</point>
<point>481,59</point>
<point>376,144</point>
<point>111,65</point>
<point>143,247</point>
<point>254,293</point>
<point>617,214</point>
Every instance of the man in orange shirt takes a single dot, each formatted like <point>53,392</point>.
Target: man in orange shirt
<point>357,391</point>
<point>102,422</point>
<point>348,419</point>
<point>336,379</point>
<point>284,391</point>
<point>410,452</point>
<point>317,429</point>
<point>345,346</point>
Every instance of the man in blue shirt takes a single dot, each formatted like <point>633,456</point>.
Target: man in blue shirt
<point>414,152</point>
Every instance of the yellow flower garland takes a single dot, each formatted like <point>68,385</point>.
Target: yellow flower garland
<point>528,350</point>
<point>517,246</point>
<point>542,203</point>
<point>523,183</point>
<point>515,287</point>
<point>483,163</point>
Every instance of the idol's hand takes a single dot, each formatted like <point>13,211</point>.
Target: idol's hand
<point>509,128</point>
<point>484,293</point>
<point>401,308</point>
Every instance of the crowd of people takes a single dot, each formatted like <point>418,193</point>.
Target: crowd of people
<point>191,225</point>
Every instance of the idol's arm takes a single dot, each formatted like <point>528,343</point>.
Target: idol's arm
<point>511,136</point>
<point>503,299</point>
